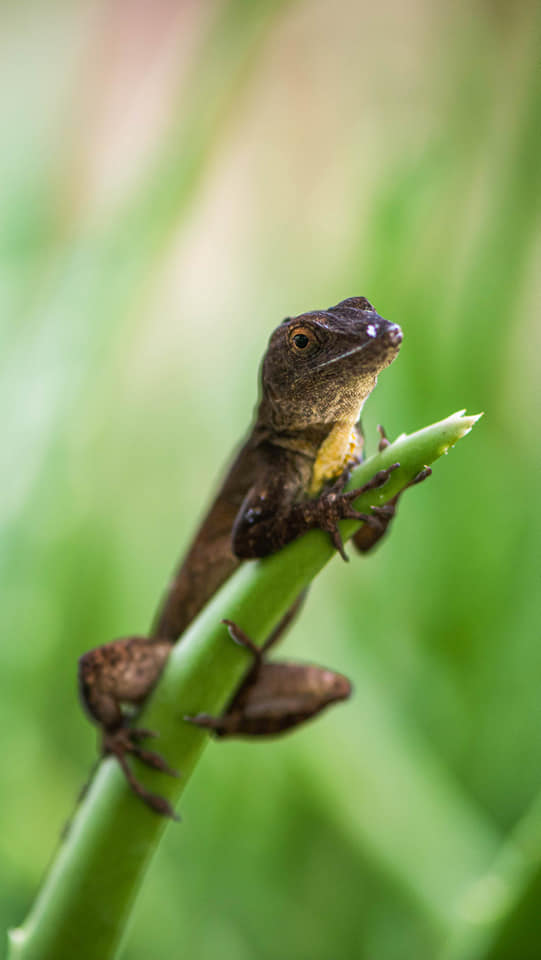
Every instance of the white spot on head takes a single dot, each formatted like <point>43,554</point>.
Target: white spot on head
<point>371,330</point>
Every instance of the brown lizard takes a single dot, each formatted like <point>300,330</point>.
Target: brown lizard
<point>287,478</point>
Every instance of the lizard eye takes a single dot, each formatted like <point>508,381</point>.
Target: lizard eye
<point>303,340</point>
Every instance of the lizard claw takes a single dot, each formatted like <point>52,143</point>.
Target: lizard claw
<point>203,720</point>
<point>155,761</point>
<point>242,639</point>
<point>221,726</point>
<point>419,477</point>
<point>141,733</point>
<point>351,514</point>
<point>379,479</point>
<point>338,543</point>
<point>340,510</point>
<point>384,440</point>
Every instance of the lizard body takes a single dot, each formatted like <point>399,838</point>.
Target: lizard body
<point>318,370</point>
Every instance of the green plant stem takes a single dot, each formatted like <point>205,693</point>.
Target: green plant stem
<point>85,902</point>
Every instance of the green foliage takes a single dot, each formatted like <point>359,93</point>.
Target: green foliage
<point>310,152</point>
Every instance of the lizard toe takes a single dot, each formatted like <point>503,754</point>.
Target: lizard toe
<point>123,741</point>
<point>154,760</point>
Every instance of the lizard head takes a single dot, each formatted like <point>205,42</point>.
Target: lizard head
<point>321,366</point>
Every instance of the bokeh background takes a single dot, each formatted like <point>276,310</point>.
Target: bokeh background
<point>176,177</point>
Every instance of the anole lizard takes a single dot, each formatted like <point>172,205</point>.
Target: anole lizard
<point>287,478</point>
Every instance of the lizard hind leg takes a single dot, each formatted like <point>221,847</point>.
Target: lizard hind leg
<point>229,723</point>
<point>124,671</point>
<point>274,697</point>
<point>226,724</point>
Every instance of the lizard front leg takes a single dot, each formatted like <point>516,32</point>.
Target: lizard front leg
<point>272,515</point>
<point>124,672</point>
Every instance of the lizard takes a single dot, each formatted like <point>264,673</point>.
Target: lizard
<point>288,477</point>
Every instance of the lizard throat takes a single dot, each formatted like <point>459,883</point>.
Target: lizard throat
<point>339,449</point>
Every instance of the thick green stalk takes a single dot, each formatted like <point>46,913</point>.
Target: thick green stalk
<point>84,904</point>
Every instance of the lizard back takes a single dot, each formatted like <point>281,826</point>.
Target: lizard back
<point>209,561</point>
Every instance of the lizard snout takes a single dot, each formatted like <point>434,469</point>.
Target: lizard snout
<point>394,334</point>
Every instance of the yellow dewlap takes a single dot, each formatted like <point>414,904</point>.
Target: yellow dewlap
<point>334,454</point>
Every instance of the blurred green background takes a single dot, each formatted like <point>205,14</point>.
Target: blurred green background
<point>176,177</point>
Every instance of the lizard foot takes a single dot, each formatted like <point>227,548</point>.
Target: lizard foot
<point>336,505</point>
<point>125,740</point>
